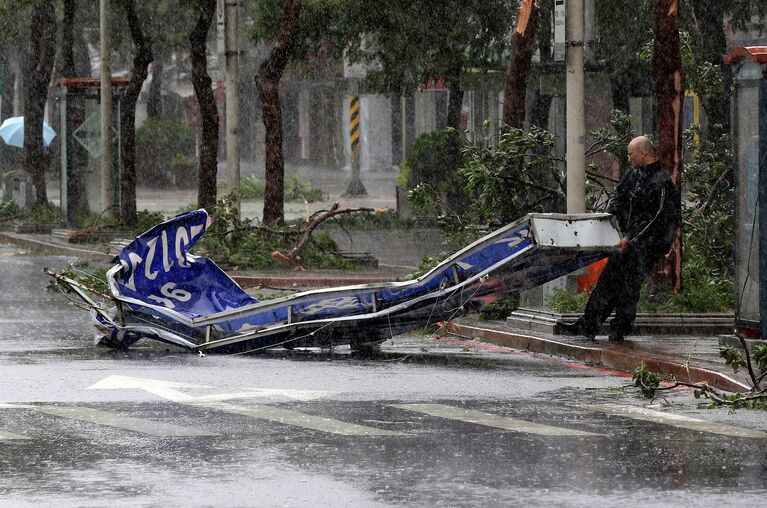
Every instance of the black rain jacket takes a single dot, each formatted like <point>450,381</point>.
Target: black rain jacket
<point>646,204</point>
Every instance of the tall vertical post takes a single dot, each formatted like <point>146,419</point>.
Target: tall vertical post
<point>355,187</point>
<point>576,125</point>
<point>762,169</point>
<point>231,81</point>
<point>107,184</point>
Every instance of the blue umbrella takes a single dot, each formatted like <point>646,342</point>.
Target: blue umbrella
<point>12,132</point>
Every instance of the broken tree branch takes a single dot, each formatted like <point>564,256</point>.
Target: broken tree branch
<point>291,259</point>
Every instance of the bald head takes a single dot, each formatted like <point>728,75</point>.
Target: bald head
<point>641,151</point>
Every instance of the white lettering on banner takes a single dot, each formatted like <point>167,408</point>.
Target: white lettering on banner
<point>166,263</point>
<point>169,291</point>
<point>196,230</point>
<point>152,244</point>
<point>182,240</point>
<point>344,302</point>
<point>135,259</point>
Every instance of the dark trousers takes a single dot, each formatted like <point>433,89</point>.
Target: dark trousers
<point>617,289</point>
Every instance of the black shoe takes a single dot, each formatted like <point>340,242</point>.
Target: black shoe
<point>616,337</point>
<point>575,329</point>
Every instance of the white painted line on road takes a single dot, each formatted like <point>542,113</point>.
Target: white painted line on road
<point>10,436</point>
<point>97,416</point>
<point>682,422</point>
<point>169,390</point>
<point>289,417</point>
<point>491,420</point>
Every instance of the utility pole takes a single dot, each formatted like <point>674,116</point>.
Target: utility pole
<point>231,82</point>
<point>355,187</point>
<point>107,185</point>
<point>576,125</point>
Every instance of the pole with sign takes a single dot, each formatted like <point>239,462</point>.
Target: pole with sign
<point>355,187</point>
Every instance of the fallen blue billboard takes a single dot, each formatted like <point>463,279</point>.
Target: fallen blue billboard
<point>160,290</point>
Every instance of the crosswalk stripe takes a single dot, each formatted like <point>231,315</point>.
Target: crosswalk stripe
<point>287,416</point>
<point>682,422</point>
<point>100,417</point>
<point>491,420</point>
<point>4,435</point>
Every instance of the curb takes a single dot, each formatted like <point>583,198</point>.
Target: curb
<point>55,248</point>
<point>605,357</point>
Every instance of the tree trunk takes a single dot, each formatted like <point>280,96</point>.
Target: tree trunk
<point>77,198</point>
<point>267,82</point>
<point>206,192</point>
<point>141,59</point>
<point>669,96</point>
<point>154,97</point>
<point>42,38</point>
<point>711,39</point>
<point>68,40</point>
<point>519,64</point>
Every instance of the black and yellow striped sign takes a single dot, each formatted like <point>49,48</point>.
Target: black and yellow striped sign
<point>354,125</point>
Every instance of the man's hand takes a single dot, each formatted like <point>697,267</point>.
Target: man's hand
<point>623,245</point>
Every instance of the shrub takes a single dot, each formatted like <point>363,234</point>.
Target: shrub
<point>434,162</point>
<point>164,153</point>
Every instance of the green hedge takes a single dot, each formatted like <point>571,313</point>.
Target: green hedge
<point>164,154</point>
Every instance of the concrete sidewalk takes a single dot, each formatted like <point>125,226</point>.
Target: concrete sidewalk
<point>693,358</point>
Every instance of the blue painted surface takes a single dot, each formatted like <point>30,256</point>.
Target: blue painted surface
<point>165,288</point>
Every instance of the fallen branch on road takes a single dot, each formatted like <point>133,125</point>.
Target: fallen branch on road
<point>292,258</point>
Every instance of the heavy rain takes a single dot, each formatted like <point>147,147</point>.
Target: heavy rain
<point>351,253</point>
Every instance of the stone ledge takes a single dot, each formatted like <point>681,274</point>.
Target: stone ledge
<point>541,320</point>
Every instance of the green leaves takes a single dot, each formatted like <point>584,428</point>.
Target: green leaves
<point>732,358</point>
<point>649,382</point>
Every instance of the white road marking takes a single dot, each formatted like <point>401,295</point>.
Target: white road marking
<point>491,420</point>
<point>10,436</point>
<point>100,417</point>
<point>169,390</point>
<point>289,417</point>
<point>682,422</point>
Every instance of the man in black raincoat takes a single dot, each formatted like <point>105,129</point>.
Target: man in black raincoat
<point>646,205</point>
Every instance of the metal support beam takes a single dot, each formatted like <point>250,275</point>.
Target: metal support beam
<point>763,208</point>
<point>576,126</point>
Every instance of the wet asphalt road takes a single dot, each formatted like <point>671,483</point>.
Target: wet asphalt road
<point>85,426</point>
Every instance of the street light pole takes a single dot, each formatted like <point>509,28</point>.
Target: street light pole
<point>231,81</point>
<point>107,184</point>
<point>576,126</point>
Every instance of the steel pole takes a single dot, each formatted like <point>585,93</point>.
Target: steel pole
<point>107,184</point>
<point>576,164</point>
<point>762,210</point>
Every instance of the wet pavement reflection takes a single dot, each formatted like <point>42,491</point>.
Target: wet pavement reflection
<point>254,455</point>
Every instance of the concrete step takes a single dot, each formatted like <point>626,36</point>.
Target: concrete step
<point>543,320</point>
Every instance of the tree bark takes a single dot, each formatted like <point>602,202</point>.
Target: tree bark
<point>42,41</point>
<point>519,64</point>
<point>709,32</point>
<point>268,81</point>
<point>206,192</point>
<point>154,97</point>
<point>77,199</point>
<point>142,57</point>
<point>68,40</point>
<point>669,97</point>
